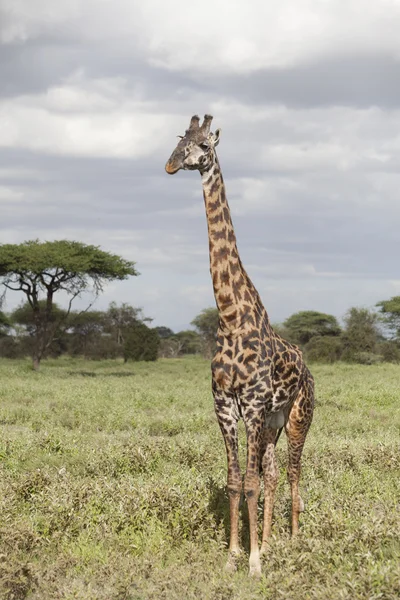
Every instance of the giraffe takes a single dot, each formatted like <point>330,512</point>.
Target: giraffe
<point>256,374</point>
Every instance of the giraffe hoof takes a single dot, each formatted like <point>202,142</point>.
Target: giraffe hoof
<point>255,567</point>
<point>231,563</point>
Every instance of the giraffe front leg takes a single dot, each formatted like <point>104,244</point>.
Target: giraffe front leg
<point>228,420</point>
<point>252,487</point>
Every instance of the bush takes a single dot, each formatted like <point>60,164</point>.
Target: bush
<point>365,358</point>
<point>141,343</point>
<point>307,324</point>
<point>104,347</point>
<point>9,347</point>
<point>207,323</point>
<point>361,336</point>
<point>389,352</point>
<point>323,349</point>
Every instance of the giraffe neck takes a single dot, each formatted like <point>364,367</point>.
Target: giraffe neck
<point>235,295</point>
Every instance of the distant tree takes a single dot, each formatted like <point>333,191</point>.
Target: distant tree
<point>190,340</point>
<point>390,311</point>
<point>141,343</point>
<point>177,344</point>
<point>4,324</point>
<point>8,344</point>
<point>360,336</point>
<point>120,319</point>
<point>45,268</point>
<point>103,347</point>
<point>389,351</point>
<point>306,324</point>
<point>206,324</point>
<point>281,330</point>
<point>324,349</point>
<point>164,332</point>
<point>85,329</point>
<point>25,322</point>
<point>23,315</point>
<point>9,347</point>
<point>170,347</point>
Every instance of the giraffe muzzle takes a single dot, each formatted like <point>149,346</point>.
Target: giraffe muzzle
<point>171,168</point>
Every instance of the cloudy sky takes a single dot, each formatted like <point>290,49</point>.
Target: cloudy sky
<point>307,93</point>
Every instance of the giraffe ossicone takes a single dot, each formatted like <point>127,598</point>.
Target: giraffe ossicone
<point>256,374</point>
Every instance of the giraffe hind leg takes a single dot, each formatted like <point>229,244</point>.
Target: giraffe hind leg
<point>270,472</point>
<point>296,429</point>
<point>278,430</point>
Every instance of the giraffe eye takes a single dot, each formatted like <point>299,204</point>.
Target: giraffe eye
<point>204,146</point>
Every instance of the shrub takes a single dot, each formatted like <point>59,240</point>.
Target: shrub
<point>360,337</point>
<point>389,352</point>
<point>141,343</point>
<point>323,349</point>
<point>365,358</point>
<point>9,347</point>
<point>306,324</point>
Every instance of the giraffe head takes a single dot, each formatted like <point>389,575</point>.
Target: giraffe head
<point>195,150</point>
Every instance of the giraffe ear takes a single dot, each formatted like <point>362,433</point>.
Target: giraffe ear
<point>216,137</point>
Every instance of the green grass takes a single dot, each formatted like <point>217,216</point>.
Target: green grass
<point>112,486</point>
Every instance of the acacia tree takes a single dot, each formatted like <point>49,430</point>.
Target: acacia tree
<point>41,269</point>
<point>306,324</point>
<point>206,324</point>
<point>24,321</point>
<point>119,319</point>
<point>164,332</point>
<point>85,328</point>
<point>360,336</point>
<point>141,343</point>
<point>390,310</point>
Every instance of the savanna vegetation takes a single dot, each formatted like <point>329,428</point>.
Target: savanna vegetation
<point>40,328</point>
<point>123,331</point>
<point>113,486</point>
<point>112,466</point>
<point>40,270</point>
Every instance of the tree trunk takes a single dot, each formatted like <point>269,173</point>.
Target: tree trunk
<point>37,349</point>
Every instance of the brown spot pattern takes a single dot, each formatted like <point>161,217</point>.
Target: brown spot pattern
<point>254,372</point>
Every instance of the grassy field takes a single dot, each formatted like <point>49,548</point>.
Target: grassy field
<point>112,486</point>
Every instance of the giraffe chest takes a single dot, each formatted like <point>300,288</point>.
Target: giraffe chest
<point>261,377</point>
<point>241,362</point>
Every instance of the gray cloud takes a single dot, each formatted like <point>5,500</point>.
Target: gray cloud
<point>310,153</point>
<point>353,80</point>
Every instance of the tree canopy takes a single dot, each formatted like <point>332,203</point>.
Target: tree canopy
<point>35,266</point>
<point>206,324</point>
<point>306,324</point>
<point>4,323</point>
<point>41,269</point>
<point>120,319</point>
<point>361,334</point>
<point>141,343</point>
<point>164,332</point>
<point>23,315</point>
<point>390,311</point>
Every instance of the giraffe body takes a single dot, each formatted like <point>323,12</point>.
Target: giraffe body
<point>256,375</point>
